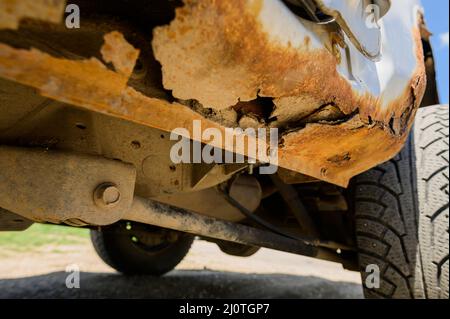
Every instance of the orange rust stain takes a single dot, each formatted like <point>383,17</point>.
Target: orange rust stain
<point>89,84</point>
<point>12,11</point>
<point>226,67</point>
<point>227,51</point>
<point>339,152</point>
<point>229,58</point>
<point>60,77</point>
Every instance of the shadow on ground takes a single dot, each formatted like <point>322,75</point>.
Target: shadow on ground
<point>179,284</point>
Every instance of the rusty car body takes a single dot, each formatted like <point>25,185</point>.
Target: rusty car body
<point>90,110</point>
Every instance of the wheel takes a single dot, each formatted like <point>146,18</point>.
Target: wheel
<point>133,248</point>
<point>401,215</point>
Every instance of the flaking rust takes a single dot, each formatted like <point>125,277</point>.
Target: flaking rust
<point>13,11</point>
<point>91,85</point>
<point>218,53</point>
<point>222,57</point>
<point>223,70</point>
<point>120,53</point>
<point>336,153</point>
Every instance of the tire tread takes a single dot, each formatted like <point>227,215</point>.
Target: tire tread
<point>390,225</point>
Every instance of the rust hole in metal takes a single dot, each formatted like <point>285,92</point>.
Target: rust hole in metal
<point>261,107</point>
<point>81,126</point>
<point>139,70</point>
<point>139,67</point>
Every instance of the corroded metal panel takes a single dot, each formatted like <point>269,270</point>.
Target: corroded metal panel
<point>341,113</point>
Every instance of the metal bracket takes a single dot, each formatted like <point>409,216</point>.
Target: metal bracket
<point>59,187</point>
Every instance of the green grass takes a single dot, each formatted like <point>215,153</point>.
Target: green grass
<point>39,235</point>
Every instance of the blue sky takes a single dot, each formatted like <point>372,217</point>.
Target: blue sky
<point>436,14</point>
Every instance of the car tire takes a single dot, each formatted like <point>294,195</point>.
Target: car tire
<point>134,248</point>
<point>401,213</point>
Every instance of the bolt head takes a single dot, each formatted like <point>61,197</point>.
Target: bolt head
<point>107,195</point>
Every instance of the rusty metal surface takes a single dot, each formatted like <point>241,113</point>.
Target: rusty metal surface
<point>58,187</point>
<point>250,49</point>
<point>206,56</point>
<point>120,53</point>
<point>13,11</point>
<point>207,50</point>
<point>89,84</point>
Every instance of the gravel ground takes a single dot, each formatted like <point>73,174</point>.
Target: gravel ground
<point>204,273</point>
